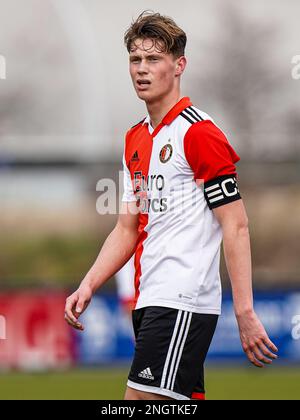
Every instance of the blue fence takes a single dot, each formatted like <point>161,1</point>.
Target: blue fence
<point>108,337</point>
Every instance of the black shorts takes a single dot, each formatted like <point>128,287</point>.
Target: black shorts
<point>171,347</point>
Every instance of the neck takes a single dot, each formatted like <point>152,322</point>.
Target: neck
<point>158,109</point>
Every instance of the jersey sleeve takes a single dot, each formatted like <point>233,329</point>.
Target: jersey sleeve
<point>212,160</point>
<point>128,194</point>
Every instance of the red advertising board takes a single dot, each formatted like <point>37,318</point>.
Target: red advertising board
<point>34,334</point>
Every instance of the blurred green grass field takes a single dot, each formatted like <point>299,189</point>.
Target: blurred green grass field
<point>221,383</point>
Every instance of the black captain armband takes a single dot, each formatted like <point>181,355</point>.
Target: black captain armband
<point>221,190</point>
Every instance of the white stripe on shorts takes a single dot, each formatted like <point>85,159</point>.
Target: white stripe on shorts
<point>163,379</point>
<point>177,344</point>
<point>181,349</point>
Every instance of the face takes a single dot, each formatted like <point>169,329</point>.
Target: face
<point>155,74</point>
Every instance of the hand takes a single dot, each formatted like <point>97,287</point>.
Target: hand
<point>255,341</point>
<point>76,304</point>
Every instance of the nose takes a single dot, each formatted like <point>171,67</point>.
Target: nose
<point>143,67</point>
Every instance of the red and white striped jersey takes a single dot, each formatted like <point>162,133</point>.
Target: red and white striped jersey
<point>178,173</point>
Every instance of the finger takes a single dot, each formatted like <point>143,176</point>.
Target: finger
<point>266,351</point>
<point>70,307</point>
<point>259,356</point>
<point>80,305</point>
<point>69,312</point>
<point>75,325</point>
<point>71,321</point>
<point>253,360</point>
<point>76,315</point>
<point>269,344</point>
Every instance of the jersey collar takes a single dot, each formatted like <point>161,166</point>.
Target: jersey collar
<point>173,113</point>
<point>176,110</point>
<point>147,120</point>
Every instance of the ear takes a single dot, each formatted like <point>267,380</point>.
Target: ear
<point>181,63</point>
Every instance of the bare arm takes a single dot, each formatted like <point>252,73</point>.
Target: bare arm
<point>116,251</point>
<point>237,251</point>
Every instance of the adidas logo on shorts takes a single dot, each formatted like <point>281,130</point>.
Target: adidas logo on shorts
<point>146,374</point>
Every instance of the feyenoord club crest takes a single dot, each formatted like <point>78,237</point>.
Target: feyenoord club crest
<point>166,153</point>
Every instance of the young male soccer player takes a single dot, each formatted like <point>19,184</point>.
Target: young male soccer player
<point>181,199</point>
